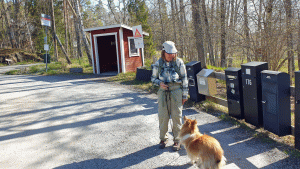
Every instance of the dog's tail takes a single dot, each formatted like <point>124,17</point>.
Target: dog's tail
<point>220,162</point>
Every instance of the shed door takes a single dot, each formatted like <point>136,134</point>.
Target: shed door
<point>107,53</point>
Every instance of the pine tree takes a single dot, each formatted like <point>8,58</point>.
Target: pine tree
<point>139,16</point>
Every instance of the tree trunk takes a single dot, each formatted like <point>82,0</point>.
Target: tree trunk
<point>231,14</point>
<point>174,21</point>
<point>207,32</point>
<point>223,34</point>
<point>259,28</point>
<point>161,23</point>
<point>246,30</point>
<point>181,25</point>
<point>28,31</point>
<point>77,33</point>
<point>17,22</point>
<point>81,28</point>
<point>63,49</point>
<point>298,46</point>
<point>198,32</point>
<point>268,30</point>
<point>124,14</point>
<point>291,64</point>
<point>54,31</point>
<point>8,25</point>
<point>66,27</point>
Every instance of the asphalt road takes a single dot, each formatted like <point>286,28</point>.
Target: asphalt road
<point>69,122</point>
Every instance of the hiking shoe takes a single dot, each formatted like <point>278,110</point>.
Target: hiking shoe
<point>162,145</point>
<point>176,147</point>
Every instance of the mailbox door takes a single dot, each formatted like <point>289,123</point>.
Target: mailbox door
<point>270,106</point>
<point>203,85</point>
<point>252,108</point>
<point>297,110</point>
<point>234,109</point>
<point>193,68</point>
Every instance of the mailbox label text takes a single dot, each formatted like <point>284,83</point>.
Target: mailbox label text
<point>202,81</point>
<point>231,85</point>
<point>248,72</point>
<point>248,82</point>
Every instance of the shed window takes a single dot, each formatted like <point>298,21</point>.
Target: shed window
<point>132,50</point>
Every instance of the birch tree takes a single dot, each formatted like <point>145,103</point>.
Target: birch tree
<point>207,33</point>
<point>81,29</point>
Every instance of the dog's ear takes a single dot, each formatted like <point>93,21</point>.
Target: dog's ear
<point>194,122</point>
<point>184,118</point>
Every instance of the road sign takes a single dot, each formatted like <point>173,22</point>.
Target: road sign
<point>46,20</point>
<point>138,36</point>
<point>137,31</point>
<point>46,47</point>
<point>139,43</point>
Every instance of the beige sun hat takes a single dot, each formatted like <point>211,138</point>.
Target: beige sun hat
<point>169,47</point>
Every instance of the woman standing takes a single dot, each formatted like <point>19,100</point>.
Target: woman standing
<point>169,73</point>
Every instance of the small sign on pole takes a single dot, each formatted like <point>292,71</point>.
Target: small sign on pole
<point>46,47</point>
<point>138,36</point>
<point>46,20</point>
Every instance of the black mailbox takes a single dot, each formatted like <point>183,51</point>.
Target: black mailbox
<point>234,92</point>
<point>276,102</point>
<point>297,110</point>
<point>192,69</point>
<point>251,79</point>
<point>48,58</point>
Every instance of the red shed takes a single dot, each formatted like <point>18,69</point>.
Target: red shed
<point>113,50</point>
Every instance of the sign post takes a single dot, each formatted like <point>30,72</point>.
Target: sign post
<point>138,36</point>
<point>46,21</point>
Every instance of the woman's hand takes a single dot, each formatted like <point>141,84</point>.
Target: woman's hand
<point>183,101</point>
<point>164,86</point>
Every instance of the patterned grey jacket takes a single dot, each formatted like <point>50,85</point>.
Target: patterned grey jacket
<point>168,72</point>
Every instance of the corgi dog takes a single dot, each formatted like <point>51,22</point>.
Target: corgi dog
<point>202,149</point>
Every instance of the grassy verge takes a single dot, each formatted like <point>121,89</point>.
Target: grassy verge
<point>55,68</point>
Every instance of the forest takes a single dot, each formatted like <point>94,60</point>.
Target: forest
<point>219,33</point>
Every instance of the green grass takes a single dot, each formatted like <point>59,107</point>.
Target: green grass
<point>2,64</point>
<point>55,68</point>
<point>12,72</point>
<point>217,69</point>
<point>129,79</point>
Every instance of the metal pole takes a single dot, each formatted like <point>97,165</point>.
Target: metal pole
<point>46,50</point>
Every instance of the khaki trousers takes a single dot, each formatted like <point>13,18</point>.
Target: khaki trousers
<point>170,106</point>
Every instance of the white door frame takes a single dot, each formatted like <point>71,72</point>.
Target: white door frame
<point>96,49</point>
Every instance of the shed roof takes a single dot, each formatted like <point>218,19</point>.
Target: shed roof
<point>112,26</point>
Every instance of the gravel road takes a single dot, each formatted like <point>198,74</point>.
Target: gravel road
<point>69,122</point>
